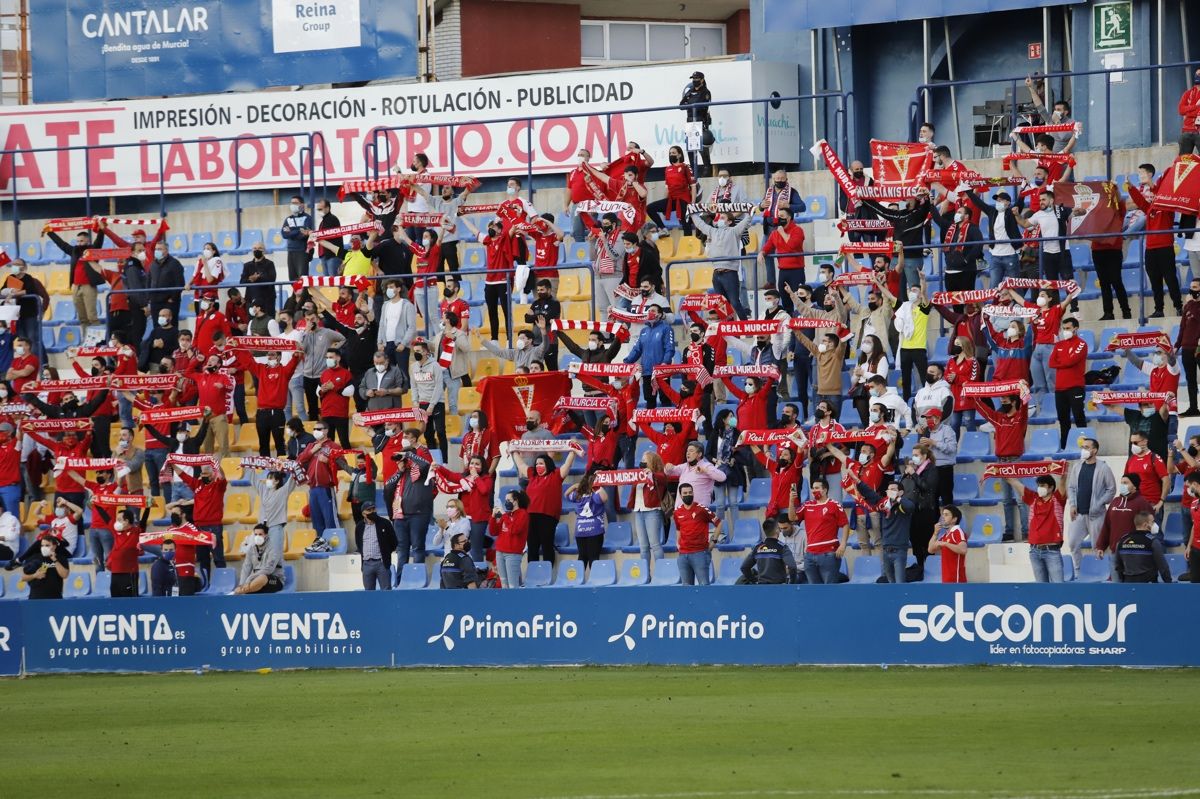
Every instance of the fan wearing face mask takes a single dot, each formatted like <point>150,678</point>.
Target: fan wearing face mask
<point>1091,486</point>
<point>272,376</point>
<point>46,566</point>
<point>912,323</point>
<point>1012,349</point>
<point>1145,459</point>
<point>501,257</point>
<point>262,569</point>
<point>321,460</point>
<point>964,251</point>
<point>1010,421</point>
<point>1045,526</point>
<point>209,321</point>
<point>182,440</point>
<point>723,243</point>
<point>209,271</point>
<point>297,225</point>
<point>123,559</point>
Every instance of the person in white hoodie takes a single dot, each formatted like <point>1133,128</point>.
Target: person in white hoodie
<point>934,394</point>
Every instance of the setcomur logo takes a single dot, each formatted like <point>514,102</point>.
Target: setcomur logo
<point>1015,623</point>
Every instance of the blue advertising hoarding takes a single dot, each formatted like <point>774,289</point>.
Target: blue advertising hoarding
<point>1050,625</point>
<point>802,15</point>
<point>89,50</point>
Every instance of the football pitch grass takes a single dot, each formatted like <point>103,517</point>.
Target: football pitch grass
<point>608,732</point>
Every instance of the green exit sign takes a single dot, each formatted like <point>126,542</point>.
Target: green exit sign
<point>1112,26</point>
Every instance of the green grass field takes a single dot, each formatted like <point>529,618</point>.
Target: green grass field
<point>628,732</point>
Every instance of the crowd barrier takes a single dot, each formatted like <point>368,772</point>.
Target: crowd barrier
<point>1001,624</point>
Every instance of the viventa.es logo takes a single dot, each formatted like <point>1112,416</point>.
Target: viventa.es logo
<point>485,628</point>
<point>722,628</point>
<point>305,25</point>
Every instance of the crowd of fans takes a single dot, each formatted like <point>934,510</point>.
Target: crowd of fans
<point>810,403</point>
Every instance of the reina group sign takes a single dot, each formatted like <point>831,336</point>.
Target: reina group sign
<point>142,48</point>
<point>1056,625</point>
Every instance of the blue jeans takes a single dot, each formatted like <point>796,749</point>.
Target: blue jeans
<point>410,537</point>
<point>276,534</point>
<point>330,265</point>
<point>1042,376</point>
<point>894,561</point>
<point>647,526</point>
<point>693,567</point>
<point>100,543</point>
<point>510,569</point>
<point>1047,565</point>
<point>155,458</point>
<point>125,411</point>
<point>321,508</point>
<point>726,283</point>
<point>376,573</point>
<point>10,495</point>
<point>295,405</point>
<point>822,568</point>
<point>1013,507</point>
<point>1005,266</point>
<point>478,540</point>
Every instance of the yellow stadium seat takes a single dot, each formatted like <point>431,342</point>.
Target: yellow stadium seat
<point>297,540</point>
<point>344,511</point>
<point>689,248</point>
<point>296,503</point>
<point>235,542</point>
<point>578,311</point>
<point>246,439</point>
<point>236,506</point>
<point>359,436</point>
<point>568,286</point>
<point>518,317</point>
<point>666,249</point>
<point>468,400</point>
<point>232,467</point>
<point>251,516</point>
<point>454,425</point>
<point>487,367</point>
<point>58,282</point>
<point>679,280</point>
<point>701,279</point>
<point>753,245</point>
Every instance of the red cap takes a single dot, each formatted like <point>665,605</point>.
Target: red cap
<point>934,412</point>
<point>139,232</point>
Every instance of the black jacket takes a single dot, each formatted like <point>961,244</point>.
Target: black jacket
<point>458,570</point>
<point>133,275</point>
<point>167,276</point>
<point>911,225</point>
<point>769,563</point>
<point>150,354</point>
<point>358,351</point>
<point>416,495</point>
<point>384,531</point>
<point>190,447</point>
<point>694,96</point>
<point>76,252</point>
<point>649,266</point>
<point>260,272</point>
<point>82,411</point>
<point>966,259</point>
<point>922,488</point>
<point>1011,228</point>
<point>1140,559</point>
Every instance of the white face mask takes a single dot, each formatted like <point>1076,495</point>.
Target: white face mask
<point>210,253</point>
<point>913,295</point>
<point>511,191</point>
<point>1158,359</point>
<point>273,363</point>
<point>18,351</point>
<point>405,444</point>
<point>259,539</point>
<point>822,347</point>
<point>722,182</point>
<point>1136,449</point>
<point>47,551</point>
<point>330,363</point>
<point>452,512</point>
<point>381,368</point>
<point>60,512</point>
<point>864,458</point>
<point>1012,333</point>
<point>425,243</point>
<point>874,417</point>
<point>1042,301</point>
<point>960,217</point>
<point>120,526</point>
<point>1001,205</point>
<point>122,445</point>
<point>391,293</point>
<point>593,345</point>
<point>1124,490</point>
<point>473,423</point>
<point>294,208</point>
<point>1067,334</point>
<point>318,434</point>
<point>520,344</point>
<point>1154,528</point>
<point>868,347</point>
<point>181,436</point>
<point>205,305</point>
<point>1043,491</point>
<point>893,494</point>
<point>917,460</point>
<point>163,321</point>
<point>1086,454</point>
<point>750,390</point>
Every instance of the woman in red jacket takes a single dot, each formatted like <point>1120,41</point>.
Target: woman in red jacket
<point>545,491</point>
<point>752,402</point>
<point>477,501</point>
<point>510,528</point>
<point>963,367</point>
<point>480,441</point>
<point>123,559</point>
<point>681,190</point>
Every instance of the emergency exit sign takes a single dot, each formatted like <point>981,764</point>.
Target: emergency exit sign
<point>1035,51</point>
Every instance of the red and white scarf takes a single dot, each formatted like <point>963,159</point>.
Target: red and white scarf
<point>1020,471</point>
<point>611,328</point>
<point>389,416</point>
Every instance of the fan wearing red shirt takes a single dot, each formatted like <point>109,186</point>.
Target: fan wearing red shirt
<point>1161,368</point>
<point>602,444</point>
<point>1191,487</point>
<point>208,322</point>
<point>752,402</point>
<point>335,406</point>
<point>545,490</point>
<point>123,559</point>
<point>1069,360</point>
<point>1045,526</point>
<point>272,378</point>
<point>500,257</point>
<point>187,358</point>
<point>695,540</point>
<point>963,367</point>
<point>214,391</point>
<point>681,191</point>
<point>671,443</point>
<point>1011,422</point>
<point>10,469</point>
<point>480,440</point>
<point>785,475</point>
<point>826,529</point>
<point>476,496</point>
<point>819,435</point>
<point>345,307</point>
<point>950,541</point>
<point>867,468</point>
<point>787,242</point>
<point>453,302</point>
<point>546,237</point>
<point>1160,252</point>
<point>511,531</point>
<point>208,510</point>
<point>24,366</point>
<point>1152,470</point>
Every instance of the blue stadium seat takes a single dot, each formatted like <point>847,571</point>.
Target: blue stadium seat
<point>48,337</point>
<point>538,574</point>
<point>933,569</point>
<point>77,585</point>
<point>570,574</point>
<point>987,529</point>
<point>31,251</point>
<point>758,495</point>
<point>602,574</point>
<point>435,577</point>
<point>1068,568</point>
<point>436,550</point>
<point>1043,444</point>
<point>867,569</point>
<point>728,571</point>
<point>68,336</point>
<point>17,588</point>
<point>474,258</point>
<point>223,582</point>
<point>101,584</point>
<point>275,240</point>
<point>1081,254</point>
<point>816,207</point>
<point>1095,353</point>
<point>1173,528</point>
<point>81,556</point>
<point>198,241</point>
<point>666,572</point>
<point>226,242</point>
<point>966,488</point>
<point>64,313</point>
<point>562,536</point>
<point>618,535</point>
<point>177,243</point>
<point>746,533</point>
<point>1176,493</point>
<point>1094,570</point>
<point>412,576</point>
<point>252,237</point>
<point>671,545</point>
<point>1177,564</point>
<point>289,580</point>
<point>143,584</point>
<point>634,571</point>
<point>335,537</point>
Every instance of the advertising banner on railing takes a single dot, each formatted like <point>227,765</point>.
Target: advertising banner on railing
<point>126,159</point>
<point>803,15</point>
<point>1027,624</point>
<point>97,50</point>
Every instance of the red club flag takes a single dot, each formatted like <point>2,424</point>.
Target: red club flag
<point>1179,189</point>
<point>1100,204</point>
<point>899,162</point>
<point>506,399</point>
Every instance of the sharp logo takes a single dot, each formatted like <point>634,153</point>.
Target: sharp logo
<point>486,628</point>
<point>286,627</point>
<point>1015,623</point>
<point>722,628</point>
<point>111,627</point>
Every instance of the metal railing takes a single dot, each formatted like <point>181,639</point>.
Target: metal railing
<point>923,98</point>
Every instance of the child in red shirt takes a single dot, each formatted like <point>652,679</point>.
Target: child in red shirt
<point>950,541</point>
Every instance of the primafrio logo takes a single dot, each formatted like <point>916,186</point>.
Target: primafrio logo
<point>485,628</point>
<point>722,628</point>
<point>1015,623</point>
<point>305,25</point>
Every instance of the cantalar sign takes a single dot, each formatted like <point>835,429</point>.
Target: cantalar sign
<point>1058,625</point>
<point>84,49</point>
<point>209,143</point>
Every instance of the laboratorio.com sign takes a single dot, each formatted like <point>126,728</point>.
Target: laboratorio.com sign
<point>1059,625</point>
<point>88,50</point>
<point>213,143</point>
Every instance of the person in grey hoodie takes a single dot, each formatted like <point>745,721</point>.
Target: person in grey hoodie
<point>429,394</point>
<point>523,353</point>
<point>273,489</point>
<point>262,569</point>
<point>725,241</point>
<point>315,341</point>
